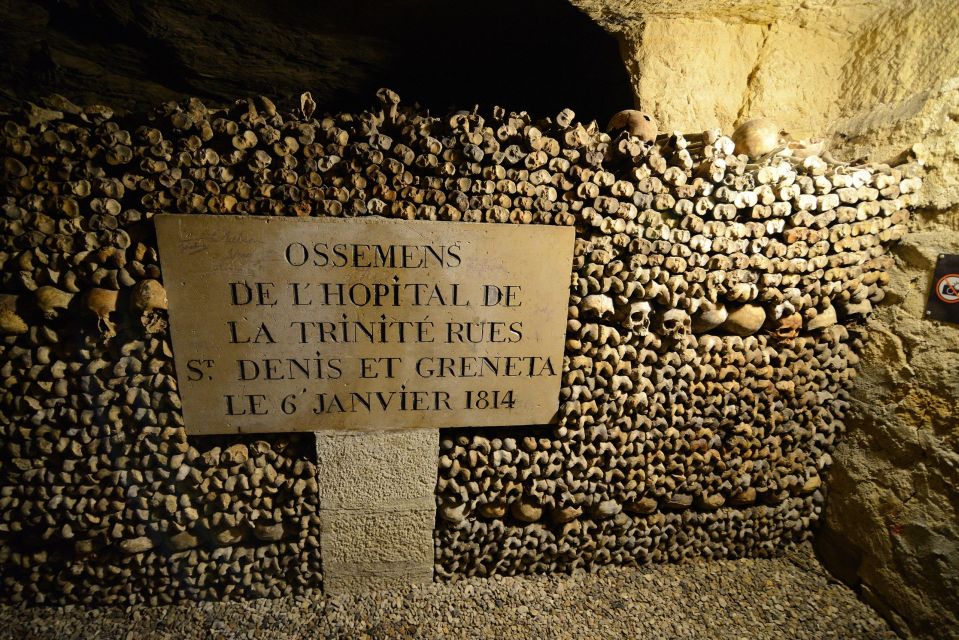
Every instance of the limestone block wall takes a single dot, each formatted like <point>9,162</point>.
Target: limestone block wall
<point>377,493</point>
<point>714,324</point>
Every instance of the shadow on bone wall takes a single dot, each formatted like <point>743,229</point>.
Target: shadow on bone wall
<point>537,55</point>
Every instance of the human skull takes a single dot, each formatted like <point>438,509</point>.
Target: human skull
<point>597,305</point>
<point>710,316</point>
<point>636,123</point>
<point>51,300</point>
<point>675,323</point>
<point>103,302</point>
<point>637,318</point>
<point>756,137</point>
<point>149,298</point>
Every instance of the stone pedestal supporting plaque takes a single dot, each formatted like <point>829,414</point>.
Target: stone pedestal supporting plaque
<point>377,507</point>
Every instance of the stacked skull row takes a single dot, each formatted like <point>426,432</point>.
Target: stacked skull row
<point>712,338</point>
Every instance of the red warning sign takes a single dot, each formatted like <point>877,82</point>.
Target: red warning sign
<point>947,288</point>
<point>943,300</point>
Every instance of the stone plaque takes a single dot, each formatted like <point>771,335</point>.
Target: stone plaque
<point>290,324</point>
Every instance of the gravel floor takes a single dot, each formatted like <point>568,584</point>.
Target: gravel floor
<point>789,598</point>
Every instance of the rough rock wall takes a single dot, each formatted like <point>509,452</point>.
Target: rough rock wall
<point>874,78</point>
<point>716,64</point>
<point>766,69</point>
<point>715,318</point>
<point>892,523</point>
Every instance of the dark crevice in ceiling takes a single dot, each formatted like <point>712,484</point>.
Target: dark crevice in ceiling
<point>535,55</point>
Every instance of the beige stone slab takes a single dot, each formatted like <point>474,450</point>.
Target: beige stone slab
<point>290,324</point>
<point>377,537</point>
<point>386,470</point>
<point>378,508</point>
<point>354,578</point>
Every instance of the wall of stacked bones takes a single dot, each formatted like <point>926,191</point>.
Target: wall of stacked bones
<point>716,309</point>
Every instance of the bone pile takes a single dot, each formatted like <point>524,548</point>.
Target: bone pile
<point>715,315</point>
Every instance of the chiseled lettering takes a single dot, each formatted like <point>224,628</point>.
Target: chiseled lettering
<point>374,256</point>
<point>370,401</point>
<point>484,366</point>
<point>262,335</point>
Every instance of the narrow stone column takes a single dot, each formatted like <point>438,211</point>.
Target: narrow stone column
<point>377,508</point>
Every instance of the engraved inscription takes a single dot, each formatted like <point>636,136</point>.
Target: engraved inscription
<point>288,324</point>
